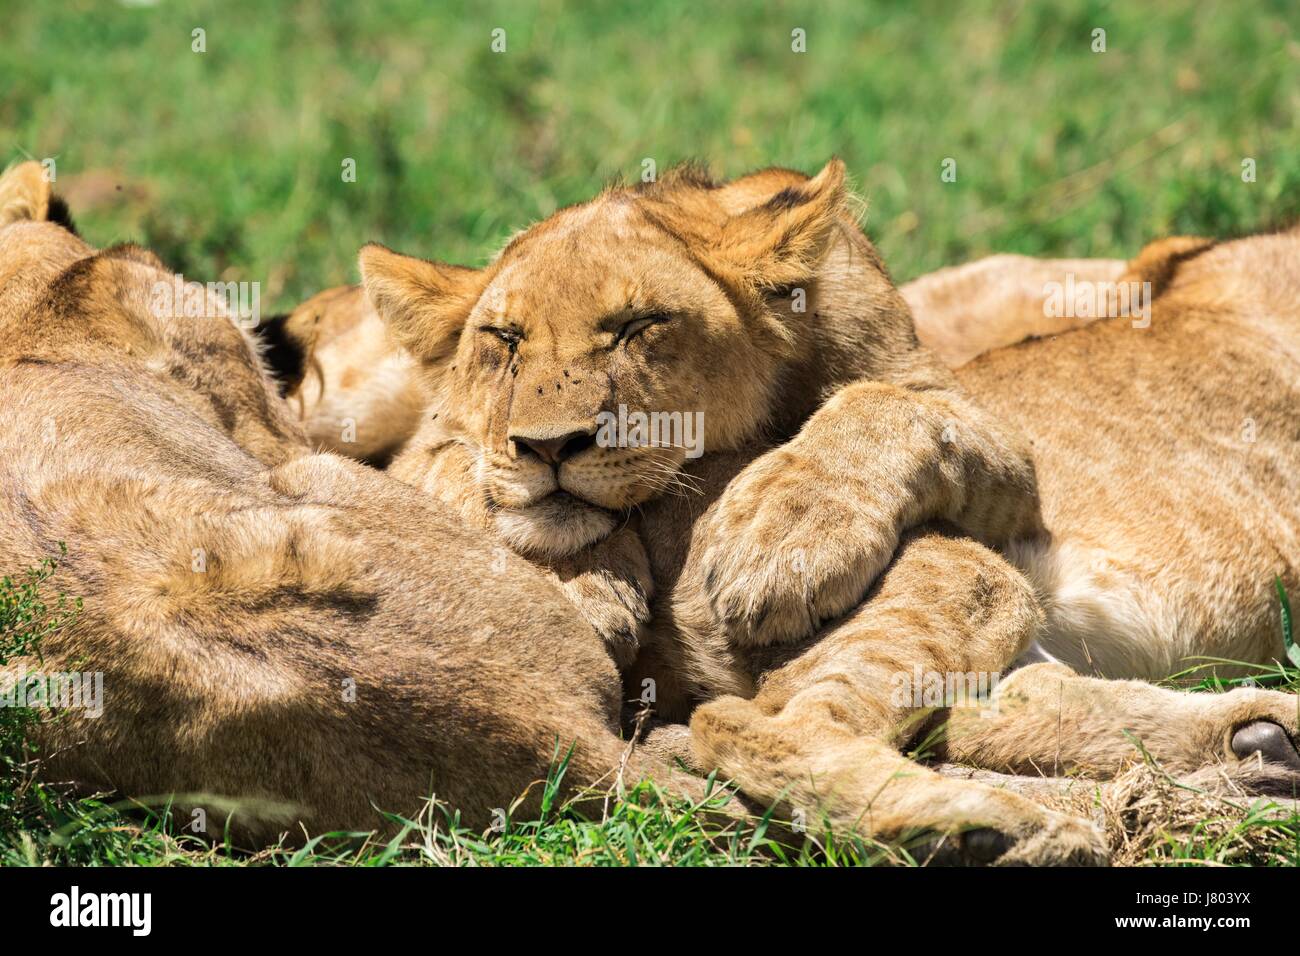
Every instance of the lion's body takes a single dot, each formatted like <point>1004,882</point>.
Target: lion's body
<point>1168,461</point>
<point>1131,425</point>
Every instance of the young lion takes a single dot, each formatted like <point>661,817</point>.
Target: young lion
<point>682,296</point>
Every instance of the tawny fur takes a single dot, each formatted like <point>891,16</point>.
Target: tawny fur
<point>374,398</point>
<point>294,632</point>
<point>965,311</point>
<point>836,431</point>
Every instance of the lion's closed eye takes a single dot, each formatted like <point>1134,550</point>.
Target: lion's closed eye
<point>512,337</point>
<point>636,326</point>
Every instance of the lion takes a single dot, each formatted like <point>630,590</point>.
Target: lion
<point>290,634</point>
<point>864,512</point>
<point>376,398</point>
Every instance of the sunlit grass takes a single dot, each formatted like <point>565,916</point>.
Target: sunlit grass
<point>230,161</point>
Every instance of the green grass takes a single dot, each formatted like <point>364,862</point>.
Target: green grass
<point>25,620</point>
<point>230,160</point>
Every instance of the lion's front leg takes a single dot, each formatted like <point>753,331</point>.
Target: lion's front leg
<point>1045,719</point>
<point>803,531</point>
<point>611,586</point>
<point>824,732</point>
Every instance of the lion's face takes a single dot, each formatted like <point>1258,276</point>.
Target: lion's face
<point>583,363</point>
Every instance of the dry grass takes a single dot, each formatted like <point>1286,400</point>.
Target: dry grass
<point>1211,818</point>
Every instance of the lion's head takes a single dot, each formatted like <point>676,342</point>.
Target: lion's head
<point>681,301</point>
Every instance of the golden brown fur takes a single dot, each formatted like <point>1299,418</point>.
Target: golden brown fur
<point>838,432</point>
<point>965,311</point>
<point>374,399</point>
<point>275,627</point>
<point>722,266</point>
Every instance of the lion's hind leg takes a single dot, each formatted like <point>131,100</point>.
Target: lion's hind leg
<point>824,731</point>
<point>865,786</point>
<point>1046,719</point>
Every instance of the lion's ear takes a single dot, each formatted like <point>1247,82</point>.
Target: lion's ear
<point>424,303</point>
<point>24,193</point>
<point>779,243</point>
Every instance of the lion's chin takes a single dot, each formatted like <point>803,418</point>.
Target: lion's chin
<point>558,525</point>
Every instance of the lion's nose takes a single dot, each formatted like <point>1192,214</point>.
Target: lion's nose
<point>553,451</point>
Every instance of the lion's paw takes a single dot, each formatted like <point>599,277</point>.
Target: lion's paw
<point>1259,728</point>
<point>616,607</point>
<point>1055,840</point>
<point>772,561</point>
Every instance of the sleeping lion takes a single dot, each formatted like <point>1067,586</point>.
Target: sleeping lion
<point>1077,514</point>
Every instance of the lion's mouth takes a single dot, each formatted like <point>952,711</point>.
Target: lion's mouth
<point>564,500</point>
<point>558,501</point>
<point>555,525</point>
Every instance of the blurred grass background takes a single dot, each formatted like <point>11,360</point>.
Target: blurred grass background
<point>229,162</point>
